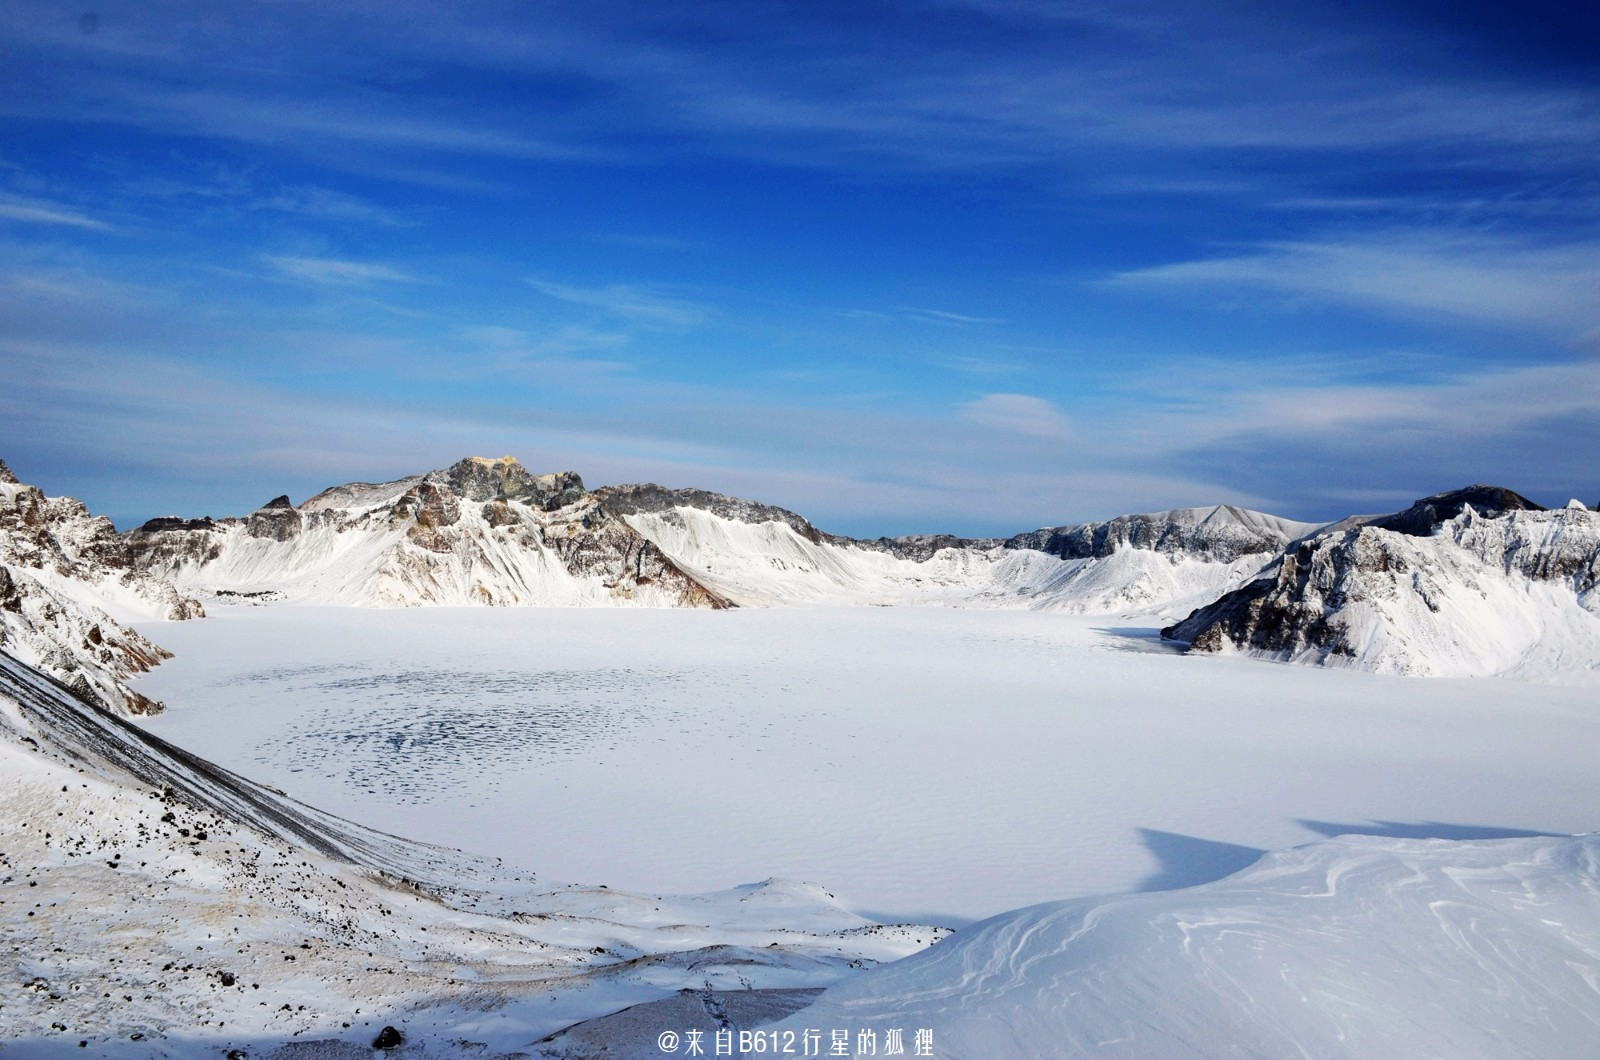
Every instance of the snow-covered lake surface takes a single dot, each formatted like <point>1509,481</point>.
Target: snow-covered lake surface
<point>918,762</point>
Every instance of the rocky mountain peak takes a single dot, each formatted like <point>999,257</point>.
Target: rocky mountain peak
<point>481,479</point>
<point>1425,516</point>
<point>6,476</point>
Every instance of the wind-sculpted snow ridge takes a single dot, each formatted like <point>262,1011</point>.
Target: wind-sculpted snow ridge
<point>479,532</point>
<point>1442,589</point>
<point>61,571</point>
<point>1163,563</point>
<point>153,904</point>
<point>1353,947</point>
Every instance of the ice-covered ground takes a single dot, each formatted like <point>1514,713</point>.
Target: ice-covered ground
<point>926,762</point>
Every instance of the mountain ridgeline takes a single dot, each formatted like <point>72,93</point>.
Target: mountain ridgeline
<point>1469,582</point>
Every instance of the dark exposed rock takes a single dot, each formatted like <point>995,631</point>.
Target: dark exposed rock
<point>1424,517</point>
<point>429,505</point>
<point>919,548</point>
<point>1223,533</point>
<point>479,479</point>
<point>277,520</point>
<point>6,474</point>
<point>172,522</point>
<point>1336,594</point>
<point>601,544</point>
<point>388,1038</point>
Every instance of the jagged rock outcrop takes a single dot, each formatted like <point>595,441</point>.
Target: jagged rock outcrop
<point>1441,588</point>
<point>481,531</point>
<point>1222,533</point>
<point>276,520</point>
<point>1428,514</point>
<point>61,569</point>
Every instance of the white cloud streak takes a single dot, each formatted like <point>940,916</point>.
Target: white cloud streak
<point>1502,281</point>
<point>636,302</point>
<point>48,213</point>
<point>337,272</point>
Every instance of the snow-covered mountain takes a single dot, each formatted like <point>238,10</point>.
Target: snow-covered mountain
<point>68,585</point>
<point>1467,583</point>
<point>153,904</point>
<point>1164,562</point>
<point>488,532</point>
<point>479,532</point>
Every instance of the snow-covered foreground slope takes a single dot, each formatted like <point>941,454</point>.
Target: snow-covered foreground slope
<point>64,574</point>
<point>1442,590</point>
<point>152,904</point>
<point>1160,563</point>
<point>479,532</point>
<point>1353,947</point>
<point>923,762</point>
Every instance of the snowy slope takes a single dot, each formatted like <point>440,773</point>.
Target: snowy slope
<point>479,532</point>
<point>1164,563</point>
<point>1353,947</point>
<point>152,904</point>
<point>67,588</point>
<point>1469,594</point>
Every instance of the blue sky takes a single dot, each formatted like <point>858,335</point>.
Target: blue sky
<point>962,265</point>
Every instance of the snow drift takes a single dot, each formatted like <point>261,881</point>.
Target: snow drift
<point>1353,947</point>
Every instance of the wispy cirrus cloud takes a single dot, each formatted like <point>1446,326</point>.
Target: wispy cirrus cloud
<point>642,303</point>
<point>338,272</point>
<point>34,211</point>
<point>1496,280</point>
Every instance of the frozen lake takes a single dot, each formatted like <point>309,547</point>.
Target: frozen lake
<point>917,762</point>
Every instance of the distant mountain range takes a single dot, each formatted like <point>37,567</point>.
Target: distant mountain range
<point>1471,582</point>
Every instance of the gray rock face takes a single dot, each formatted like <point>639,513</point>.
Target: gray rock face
<point>1427,514</point>
<point>50,544</point>
<point>1223,533</point>
<point>469,533</point>
<point>479,479</point>
<point>1372,592</point>
<point>277,520</point>
<point>1292,608</point>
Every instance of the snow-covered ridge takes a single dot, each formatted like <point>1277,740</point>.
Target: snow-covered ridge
<point>1161,563</point>
<point>67,586</point>
<point>1441,589</point>
<point>487,532</point>
<point>1222,533</point>
<point>479,532</point>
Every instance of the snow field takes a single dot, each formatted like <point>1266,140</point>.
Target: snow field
<point>919,763</point>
